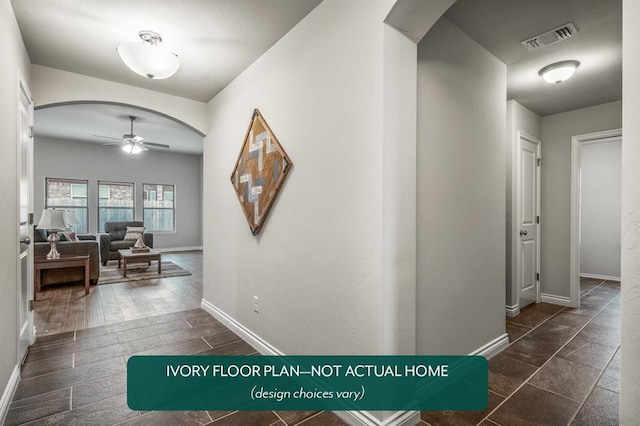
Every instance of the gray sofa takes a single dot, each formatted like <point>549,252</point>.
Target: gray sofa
<point>86,245</point>
<point>113,239</point>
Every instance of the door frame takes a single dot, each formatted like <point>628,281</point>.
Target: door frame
<point>574,259</point>
<point>23,87</point>
<point>515,237</point>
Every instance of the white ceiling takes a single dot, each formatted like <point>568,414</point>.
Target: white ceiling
<point>500,25</point>
<point>215,40</point>
<point>80,122</point>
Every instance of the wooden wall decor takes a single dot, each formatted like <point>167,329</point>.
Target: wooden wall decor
<point>260,171</point>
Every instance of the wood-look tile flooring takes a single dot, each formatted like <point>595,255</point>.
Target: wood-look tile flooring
<point>75,373</point>
<point>562,366</point>
<point>65,307</point>
<point>79,377</point>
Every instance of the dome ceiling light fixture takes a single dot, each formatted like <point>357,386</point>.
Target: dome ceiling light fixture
<point>148,58</point>
<point>559,72</point>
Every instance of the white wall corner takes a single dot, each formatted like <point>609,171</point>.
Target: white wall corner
<point>360,418</point>
<point>557,300</point>
<point>365,418</point>
<point>8,393</point>
<point>512,311</point>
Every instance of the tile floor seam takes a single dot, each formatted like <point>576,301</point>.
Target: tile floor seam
<point>278,416</point>
<point>553,392</point>
<point>592,388</point>
<point>543,322</point>
<point>205,340</point>
<point>309,418</point>
<point>224,417</point>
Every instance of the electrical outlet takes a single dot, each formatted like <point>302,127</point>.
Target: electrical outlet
<point>256,304</point>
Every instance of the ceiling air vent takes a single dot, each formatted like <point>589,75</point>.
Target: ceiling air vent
<point>553,36</point>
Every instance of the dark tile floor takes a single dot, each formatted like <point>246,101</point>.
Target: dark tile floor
<point>562,366</point>
<point>79,377</point>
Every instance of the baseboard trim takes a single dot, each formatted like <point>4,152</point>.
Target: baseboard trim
<point>512,311</point>
<point>8,393</point>
<point>257,342</point>
<point>356,418</point>
<point>177,249</point>
<point>555,300</point>
<point>493,347</point>
<point>359,418</point>
<point>600,277</point>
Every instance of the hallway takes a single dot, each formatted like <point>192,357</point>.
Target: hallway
<point>562,366</point>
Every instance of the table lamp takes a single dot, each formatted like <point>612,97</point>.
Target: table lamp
<point>54,221</point>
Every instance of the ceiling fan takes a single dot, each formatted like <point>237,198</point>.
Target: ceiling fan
<point>132,143</point>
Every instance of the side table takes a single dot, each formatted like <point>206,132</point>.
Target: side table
<point>41,263</point>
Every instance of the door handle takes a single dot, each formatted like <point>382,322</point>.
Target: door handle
<point>523,233</point>
<point>25,240</point>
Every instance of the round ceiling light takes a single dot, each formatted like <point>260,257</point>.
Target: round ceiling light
<point>559,72</point>
<point>148,58</point>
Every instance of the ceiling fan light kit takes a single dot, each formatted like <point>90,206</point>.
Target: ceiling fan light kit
<point>133,144</point>
<point>148,58</point>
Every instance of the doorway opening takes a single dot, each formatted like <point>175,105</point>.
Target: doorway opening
<point>596,163</point>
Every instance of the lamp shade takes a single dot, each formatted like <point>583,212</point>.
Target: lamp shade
<point>52,219</point>
<point>559,72</point>
<point>149,60</point>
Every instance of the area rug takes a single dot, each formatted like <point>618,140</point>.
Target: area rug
<point>110,274</point>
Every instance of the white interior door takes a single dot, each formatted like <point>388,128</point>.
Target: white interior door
<point>25,218</point>
<point>528,220</point>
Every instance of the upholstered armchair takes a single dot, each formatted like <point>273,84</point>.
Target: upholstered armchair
<point>114,239</point>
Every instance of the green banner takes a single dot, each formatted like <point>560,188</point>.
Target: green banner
<point>292,383</point>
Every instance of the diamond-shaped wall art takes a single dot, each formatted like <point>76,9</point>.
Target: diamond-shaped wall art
<point>260,171</point>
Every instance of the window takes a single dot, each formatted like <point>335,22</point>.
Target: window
<point>115,203</point>
<point>159,207</point>
<point>69,194</point>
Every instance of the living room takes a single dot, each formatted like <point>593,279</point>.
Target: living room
<point>79,166</point>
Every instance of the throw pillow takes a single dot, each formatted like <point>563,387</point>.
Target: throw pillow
<point>133,233</point>
<point>62,236</point>
<point>71,236</point>
<point>40,235</point>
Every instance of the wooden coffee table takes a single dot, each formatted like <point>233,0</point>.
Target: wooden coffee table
<point>127,256</point>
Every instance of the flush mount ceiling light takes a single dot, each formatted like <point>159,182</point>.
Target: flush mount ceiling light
<point>559,72</point>
<point>148,58</point>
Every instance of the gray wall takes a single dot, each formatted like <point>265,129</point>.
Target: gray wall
<point>81,160</point>
<point>555,218</point>
<point>14,57</point>
<point>519,119</point>
<point>461,193</point>
<point>600,178</point>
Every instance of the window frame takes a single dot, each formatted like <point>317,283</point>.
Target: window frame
<point>109,182</point>
<point>144,209</point>
<point>72,182</point>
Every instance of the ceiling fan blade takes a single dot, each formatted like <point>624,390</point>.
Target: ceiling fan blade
<point>112,143</point>
<point>156,145</point>
<point>107,137</point>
